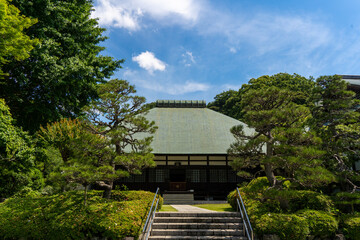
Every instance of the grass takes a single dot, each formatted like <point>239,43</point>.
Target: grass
<point>221,207</point>
<point>167,208</point>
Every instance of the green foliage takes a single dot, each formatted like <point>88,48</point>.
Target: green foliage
<point>229,102</point>
<point>281,139</point>
<point>293,200</point>
<point>348,202</point>
<point>337,123</point>
<point>63,216</point>
<point>17,155</point>
<point>286,212</point>
<point>14,43</point>
<point>351,226</point>
<point>286,226</point>
<point>321,224</point>
<point>295,83</point>
<point>119,115</point>
<point>62,72</point>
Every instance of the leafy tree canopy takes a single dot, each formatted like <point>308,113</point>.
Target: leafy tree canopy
<point>228,102</point>
<point>119,115</point>
<point>16,156</point>
<point>281,142</point>
<point>14,43</point>
<point>61,75</point>
<point>338,123</point>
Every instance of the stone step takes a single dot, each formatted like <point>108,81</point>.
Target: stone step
<point>197,226</point>
<point>196,232</point>
<point>178,198</point>
<point>197,220</point>
<point>203,214</point>
<point>197,237</point>
<point>178,202</point>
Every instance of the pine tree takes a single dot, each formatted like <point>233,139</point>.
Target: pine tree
<point>281,142</point>
<point>337,122</point>
<point>119,116</point>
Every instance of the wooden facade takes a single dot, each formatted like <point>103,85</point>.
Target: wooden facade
<point>210,177</point>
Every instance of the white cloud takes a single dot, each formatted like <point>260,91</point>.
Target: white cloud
<point>264,32</point>
<point>128,13</point>
<point>111,14</point>
<point>188,58</point>
<point>176,89</point>
<point>148,61</point>
<point>232,50</point>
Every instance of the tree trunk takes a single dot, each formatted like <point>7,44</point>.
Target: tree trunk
<point>269,171</point>
<point>85,194</point>
<point>270,174</point>
<point>107,188</point>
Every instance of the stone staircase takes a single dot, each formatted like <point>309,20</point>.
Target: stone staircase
<point>178,198</point>
<point>183,225</point>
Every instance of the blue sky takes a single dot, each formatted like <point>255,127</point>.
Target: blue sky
<point>195,49</point>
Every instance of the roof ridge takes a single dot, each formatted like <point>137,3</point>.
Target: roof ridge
<point>181,103</point>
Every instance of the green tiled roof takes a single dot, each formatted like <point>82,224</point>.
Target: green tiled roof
<point>192,131</point>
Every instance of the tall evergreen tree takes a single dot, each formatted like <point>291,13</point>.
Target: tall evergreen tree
<point>61,75</point>
<point>337,121</point>
<point>119,115</point>
<point>281,143</point>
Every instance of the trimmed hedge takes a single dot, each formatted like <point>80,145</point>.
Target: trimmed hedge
<point>348,202</point>
<point>64,216</point>
<point>286,226</point>
<point>321,224</point>
<point>351,226</point>
<point>288,213</point>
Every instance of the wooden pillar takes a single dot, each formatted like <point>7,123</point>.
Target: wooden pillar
<point>227,168</point>
<point>207,169</point>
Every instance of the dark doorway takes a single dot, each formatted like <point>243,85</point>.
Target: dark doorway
<point>177,175</point>
<point>177,180</point>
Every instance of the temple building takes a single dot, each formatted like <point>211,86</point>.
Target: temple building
<point>190,148</point>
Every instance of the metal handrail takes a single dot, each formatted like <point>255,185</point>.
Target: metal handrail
<point>152,219</point>
<point>151,215</point>
<point>247,225</point>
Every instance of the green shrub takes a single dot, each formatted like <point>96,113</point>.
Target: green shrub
<point>321,224</point>
<point>291,214</point>
<point>252,190</point>
<point>231,199</point>
<point>294,200</point>
<point>286,226</point>
<point>348,202</point>
<point>351,226</point>
<point>64,216</point>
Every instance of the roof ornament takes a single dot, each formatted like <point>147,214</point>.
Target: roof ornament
<point>181,103</point>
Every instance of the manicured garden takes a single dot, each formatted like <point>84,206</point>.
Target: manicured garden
<point>64,216</point>
<point>297,214</point>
